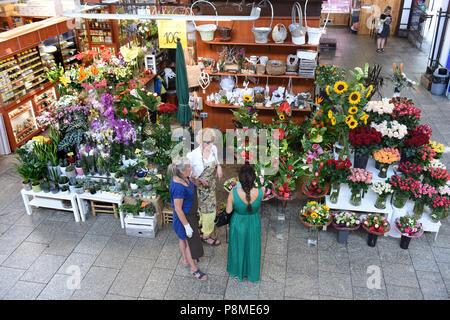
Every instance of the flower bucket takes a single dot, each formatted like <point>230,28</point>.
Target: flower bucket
<point>262,33</point>
<point>297,30</point>
<point>314,34</point>
<point>206,30</point>
<point>79,171</point>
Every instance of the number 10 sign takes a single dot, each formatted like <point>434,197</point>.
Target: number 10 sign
<point>169,31</point>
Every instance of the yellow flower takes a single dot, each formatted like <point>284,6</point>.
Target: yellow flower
<point>129,54</point>
<point>70,154</point>
<point>370,91</point>
<point>330,114</point>
<point>354,97</point>
<point>352,124</point>
<point>281,116</point>
<point>349,118</point>
<point>340,87</point>
<point>361,86</point>
<point>247,98</point>
<point>327,90</point>
<point>333,121</point>
<point>39,139</point>
<point>313,202</point>
<point>137,151</point>
<point>353,110</point>
<point>326,208</point>
<point>65,81</point>
<point>314,216</point>
<point>364,118</point>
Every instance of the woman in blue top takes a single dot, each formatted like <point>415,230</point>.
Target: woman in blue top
<point>183,197</point>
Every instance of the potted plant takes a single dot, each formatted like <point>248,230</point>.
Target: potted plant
<point>93,189</point>
<point>345,222</point>
<point>79,167</point>
<point>133,184</point>
<point>54,188</point>
<point>70,171</point>
<point>409,228</point>
<point>129,172</point>
<point>65,189</point>
<point>72,183</point>
<point>24,171</point>
<point>63,164</point>
<point>358,182</point>
<point>364,140</point>
<point>45,186</point>
<point>148,184</point>
<point>383,190</point>
<point>63,181</point>
<point>375,225</point>
<point>315,215</point>
<point>78,187</point>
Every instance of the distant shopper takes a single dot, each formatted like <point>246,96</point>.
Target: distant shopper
<point>205,166</point>
<point>183,197</point>
<point>386,20</point>
<point>244,247</point>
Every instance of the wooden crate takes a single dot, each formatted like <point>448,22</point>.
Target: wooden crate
<point>104,207</point>
<point>167,214</point>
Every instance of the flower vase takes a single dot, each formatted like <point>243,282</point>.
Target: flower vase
<point>334,195</point>
<point>372,240</point>
<point>360,161</point>
<point>383,170</point>
<point>418,209</point>
<point>435,215</point>
<point>396,93</point>
<point>79,171</point>
<point>313,234</point>
<point>377,165</point>
<point>342,236</point>
<point>355,199</point>
<point>381,201</point>
<point>404,242</point>
<point>400,200</point>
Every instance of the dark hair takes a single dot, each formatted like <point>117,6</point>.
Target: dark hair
<point>387,8</point>
<point>247,177</point>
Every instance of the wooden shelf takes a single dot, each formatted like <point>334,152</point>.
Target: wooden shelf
<point>24,130</point>
<point>230,106</point>
<point>246,42</point>
<point>20,113</point>
<point>258,75</point>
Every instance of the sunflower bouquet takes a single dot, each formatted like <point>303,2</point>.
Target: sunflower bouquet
<point>315,214</point>
<point>247,115</point>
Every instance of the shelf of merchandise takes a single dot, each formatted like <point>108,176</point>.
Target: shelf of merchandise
<point>20,113</point>
<point>230,106</point>
<point>219,115</point>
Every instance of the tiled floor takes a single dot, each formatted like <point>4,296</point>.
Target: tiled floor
<point>42,255</point>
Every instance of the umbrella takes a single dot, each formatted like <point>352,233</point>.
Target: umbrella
<point>184,113</point>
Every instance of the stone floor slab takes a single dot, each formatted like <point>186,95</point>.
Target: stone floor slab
<point>24,290</point>
<point>43,269</point>
<point>8,278</point>
<point>24,256</point>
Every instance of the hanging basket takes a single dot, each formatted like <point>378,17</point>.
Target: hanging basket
<point>314,34</point>
<point>297,30</point>
<point>262,33</point>
<point>206,30</point>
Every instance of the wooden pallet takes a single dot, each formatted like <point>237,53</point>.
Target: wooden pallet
<point>104,207</point>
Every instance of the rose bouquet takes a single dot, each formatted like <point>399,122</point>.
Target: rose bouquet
<point>364,139</point>
<point>439,206</point>
<point>416,138</point>
<point>404,188</point>
<point>408,227</point>
<point>392,132</point>
<point>435,163</point>
<point>406,114</point>
<point>421,196</point>
<point>387,155</point>
<point>359,180</point>
<point>438,148</point>
<point>425,155</point>
<point>345,220</point>
<point>337,170</point>
<point>375,223</point>
<point>315,214</point>
<point>411,169</point>
<point>383,190</point>
<point>379,111</point>
<point>436,177</point>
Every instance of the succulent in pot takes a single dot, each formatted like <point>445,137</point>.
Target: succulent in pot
<point>65,189</point>
<point>63,181</point>
<point>54,188</point>
<point>63,164</point>
<point>45,186</point>
<point>70,171</point>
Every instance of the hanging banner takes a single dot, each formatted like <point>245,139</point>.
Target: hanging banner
<point>169,31</point>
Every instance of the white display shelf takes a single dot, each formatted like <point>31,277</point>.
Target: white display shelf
<point>50,200</point>
<point>428,224</point>
<point>102,197</point>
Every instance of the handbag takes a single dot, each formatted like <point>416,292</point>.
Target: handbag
<point>222,219</point>
<point>193,72</point>
<point>380,27</point>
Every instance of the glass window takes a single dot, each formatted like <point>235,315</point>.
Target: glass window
<point>337,6</point>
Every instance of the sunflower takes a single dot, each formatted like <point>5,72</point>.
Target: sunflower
<point>340,87</point>
<point>327,90</point>
<point>333,121</point>
<point>281,116</point>
<point>330,114</point>
<point>353,110</point>
<point>370,91</point>
<point>314,215</point>
<point>349,118</point>
<point>247,98</point>
<point>352,124</point>
<point>354,97</point>
<point>364,118</point>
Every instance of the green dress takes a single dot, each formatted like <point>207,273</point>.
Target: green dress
<point>244,247</point>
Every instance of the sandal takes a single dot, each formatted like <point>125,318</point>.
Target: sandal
<point>201,275</point>
<point>215,242</point>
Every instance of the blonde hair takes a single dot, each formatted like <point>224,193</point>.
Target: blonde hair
<point>205,135</point>
<point>387,8</point>
<point>178,165</point>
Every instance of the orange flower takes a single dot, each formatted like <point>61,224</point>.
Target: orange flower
<point>144,204</point>
<point>82,75</point>
<point>94,70</point>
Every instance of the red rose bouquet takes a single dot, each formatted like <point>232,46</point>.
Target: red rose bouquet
<point>337,170</point>
<point>439,206</point>
<point>364,139</point>
<point>404,187</point>
<point>406,114</point>
<point>411,169</point>
<point>436,176</point>
<point>416,138</point>
<point>425,154</point>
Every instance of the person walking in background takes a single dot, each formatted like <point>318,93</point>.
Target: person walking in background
<point>244,247</point>
<point>204,163</point>
<point>386,20</point>
<point>183,198</point>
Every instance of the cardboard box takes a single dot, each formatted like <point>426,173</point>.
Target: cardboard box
<point>425,81</point>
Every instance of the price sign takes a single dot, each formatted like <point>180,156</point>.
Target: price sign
<point>169,31</point>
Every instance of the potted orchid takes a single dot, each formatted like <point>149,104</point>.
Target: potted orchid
<point>409,228</point>
<point>345,222</point>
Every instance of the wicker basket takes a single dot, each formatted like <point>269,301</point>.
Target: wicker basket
<point>297,30</point>
<point>206,30</point>
<point>262,33</point>
<point>279,33</point>
<point>260,68</point>
<point>276,67</point>
<point>224,33</point>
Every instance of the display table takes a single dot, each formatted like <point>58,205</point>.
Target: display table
<point>50,200</point>
<point>102,197</point>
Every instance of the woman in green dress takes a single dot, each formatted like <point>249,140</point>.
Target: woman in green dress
<point>244,247</point>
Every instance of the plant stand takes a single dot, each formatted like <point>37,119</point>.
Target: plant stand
<point>52,201</point>
<point>83,198</point>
